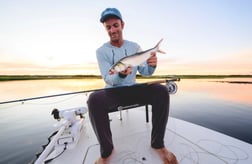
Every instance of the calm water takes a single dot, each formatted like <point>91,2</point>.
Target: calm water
<point>25,126</point>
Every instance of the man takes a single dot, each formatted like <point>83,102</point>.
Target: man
<point>100,103</point>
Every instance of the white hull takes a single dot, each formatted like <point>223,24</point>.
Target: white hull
<point>189,142</point>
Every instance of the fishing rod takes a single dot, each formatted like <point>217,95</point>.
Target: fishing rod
<point>172,87</point>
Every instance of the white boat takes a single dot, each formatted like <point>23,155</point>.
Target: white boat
<point>75,141</point>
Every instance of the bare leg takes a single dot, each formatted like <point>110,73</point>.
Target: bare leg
<point>104,160</point>
<point>166,156</point>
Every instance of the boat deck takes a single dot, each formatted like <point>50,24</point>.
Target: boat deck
<point>192,144</point>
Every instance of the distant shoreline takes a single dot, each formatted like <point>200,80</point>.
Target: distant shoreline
<point>47,77</point>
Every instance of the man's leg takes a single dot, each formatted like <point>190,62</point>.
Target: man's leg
<point>98,104</point>
<point>158,96</point>
<point>160,101</point>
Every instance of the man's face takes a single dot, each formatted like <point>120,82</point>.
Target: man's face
<point>114,27</point>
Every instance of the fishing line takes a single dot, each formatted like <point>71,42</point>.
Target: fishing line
<point>200,147</point>
<point>216,154</point>
<point>53,102</point>
<point>228,147</point>
<point>189,154</point>
<point>87,151</point>
<point>49,96</point>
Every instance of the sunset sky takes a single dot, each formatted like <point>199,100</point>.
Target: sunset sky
<point>61,36</point>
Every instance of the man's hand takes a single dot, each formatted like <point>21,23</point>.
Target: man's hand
<point>152,61</point>
<point>127,71</point>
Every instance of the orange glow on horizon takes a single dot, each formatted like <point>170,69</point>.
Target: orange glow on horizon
<point>236,64</point>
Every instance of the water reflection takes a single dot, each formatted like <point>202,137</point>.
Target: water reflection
<point>234,92</point>
<point>32,88</point>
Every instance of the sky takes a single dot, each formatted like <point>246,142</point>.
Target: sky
<point>60,37</point>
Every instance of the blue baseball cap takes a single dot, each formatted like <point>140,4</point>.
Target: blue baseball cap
<point>110,12</point>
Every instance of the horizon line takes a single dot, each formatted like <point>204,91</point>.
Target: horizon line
<point>44,77</point>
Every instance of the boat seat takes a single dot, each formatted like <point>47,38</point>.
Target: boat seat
<point>121,108</point>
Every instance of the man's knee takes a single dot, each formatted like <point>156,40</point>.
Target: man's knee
<point>161,90</point>
<point>93,97</point>
<point>95,101</point>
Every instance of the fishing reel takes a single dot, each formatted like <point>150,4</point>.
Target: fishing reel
<point>172,87</point>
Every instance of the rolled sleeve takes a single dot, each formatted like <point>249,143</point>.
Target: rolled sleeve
<point>146,70</point>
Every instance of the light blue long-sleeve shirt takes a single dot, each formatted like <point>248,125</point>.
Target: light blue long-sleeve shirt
<point>107,55</point>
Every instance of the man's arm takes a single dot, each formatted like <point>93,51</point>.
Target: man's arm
<point>104,66</point>
<point>149,66</point>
